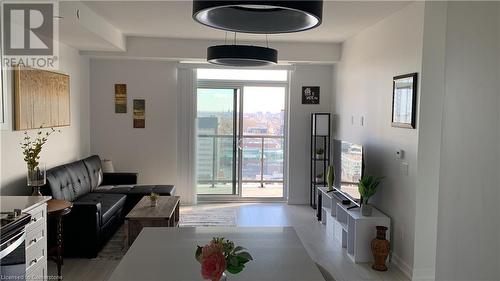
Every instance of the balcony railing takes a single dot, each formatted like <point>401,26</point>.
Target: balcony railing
<point>216,157</point>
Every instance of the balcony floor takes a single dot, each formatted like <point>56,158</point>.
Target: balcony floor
<point>270,190</point>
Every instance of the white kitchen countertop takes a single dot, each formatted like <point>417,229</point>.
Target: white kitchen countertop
<point>25,203</point>
<point>168,254</point>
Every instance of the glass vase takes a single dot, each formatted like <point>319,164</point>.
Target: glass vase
<point>36,178</point>
<point>154,202</point>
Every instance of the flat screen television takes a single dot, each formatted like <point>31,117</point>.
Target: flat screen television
<point>348,166</point>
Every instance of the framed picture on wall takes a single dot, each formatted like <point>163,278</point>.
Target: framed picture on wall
<point>404,101</point>
<point>139,113</point>
<point>2,119</point>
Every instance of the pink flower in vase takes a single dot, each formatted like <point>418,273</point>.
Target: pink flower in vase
<point>214,265</point>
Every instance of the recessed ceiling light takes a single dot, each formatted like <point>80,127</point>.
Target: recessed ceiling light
<point>260,17</point>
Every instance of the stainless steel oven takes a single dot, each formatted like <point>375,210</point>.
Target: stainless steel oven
<point>12,246</point>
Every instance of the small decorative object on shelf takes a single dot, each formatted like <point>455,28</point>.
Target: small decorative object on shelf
<point>330,177</point>
<point>32,147</point>
<point>319,153</point>
<point>319,178</point>
<point>153,197</point>
<point>220,255</point>
<point>380,249</point>
<point>367,187</point>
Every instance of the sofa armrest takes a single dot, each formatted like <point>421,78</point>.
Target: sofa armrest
<point>119,178</point>
<point>94,207</point>
<point>82,229</point>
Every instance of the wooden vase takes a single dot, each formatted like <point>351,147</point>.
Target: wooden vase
<point>380,249</point>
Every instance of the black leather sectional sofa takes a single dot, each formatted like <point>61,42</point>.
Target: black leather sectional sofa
<point>100,202</point>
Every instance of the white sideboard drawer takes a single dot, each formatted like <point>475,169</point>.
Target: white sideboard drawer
<point>35,254</point>
<point>38,216</point>
<point>38,271</point>
<point>35,235</point>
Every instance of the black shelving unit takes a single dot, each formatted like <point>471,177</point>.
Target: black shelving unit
<point>320,140</point>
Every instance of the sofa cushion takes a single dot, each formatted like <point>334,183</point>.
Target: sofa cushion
<point>94,168</point>
<point>60,184</point>
<point>79,177</point>
<point>111,204</point>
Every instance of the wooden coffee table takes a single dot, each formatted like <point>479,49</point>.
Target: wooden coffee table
<point>164,214</point>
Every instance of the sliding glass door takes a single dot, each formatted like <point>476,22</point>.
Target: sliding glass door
<point>262,137</point>
<point>240,139</point>
<point>217,144</point>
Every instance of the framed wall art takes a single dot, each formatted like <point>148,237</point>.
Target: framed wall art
<point>139,113</point>
<point>404,101</point>
<point>2,112</point>
<point>120,98</point>
<point>310,95</point>
<point>41,99</point>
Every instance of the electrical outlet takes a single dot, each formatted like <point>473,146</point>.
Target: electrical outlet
<point>403,168</point>
<point>362,121</point>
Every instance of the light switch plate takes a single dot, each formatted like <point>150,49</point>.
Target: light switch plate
<point>403,168</point>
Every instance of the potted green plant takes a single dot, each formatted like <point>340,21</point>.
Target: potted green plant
<point>153,197</point>
<point>367,187</point>
<point>330,177</point>
<point>32,147</point>
<point>319,153</point>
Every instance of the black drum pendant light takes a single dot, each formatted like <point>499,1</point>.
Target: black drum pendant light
<point>258,16</point>
<point>241,55</point>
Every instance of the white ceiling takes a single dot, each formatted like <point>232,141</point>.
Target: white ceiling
<point>172,19</point>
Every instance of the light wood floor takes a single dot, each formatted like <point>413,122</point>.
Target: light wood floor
<point>322,248</point>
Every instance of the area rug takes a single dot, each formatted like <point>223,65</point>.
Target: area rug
<point>115,248</point>
<point>200,217</point>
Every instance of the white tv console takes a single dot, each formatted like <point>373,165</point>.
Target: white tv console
<point>354,230</point>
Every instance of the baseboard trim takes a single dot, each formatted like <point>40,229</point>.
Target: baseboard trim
<point>402,265</point>
<point>424,275</point>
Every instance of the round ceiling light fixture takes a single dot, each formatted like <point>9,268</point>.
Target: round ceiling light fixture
<point>260,17</point>
<point>241,55</point>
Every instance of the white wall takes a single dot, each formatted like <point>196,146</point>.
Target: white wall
<point>71,144</point>
<point>299,140</point>
<point>429,140</point>
<point>364,89</point>
<point>151,151</point>
<point>468,220</point>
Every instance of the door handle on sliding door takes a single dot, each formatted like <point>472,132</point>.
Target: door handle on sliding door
<point>240,143</point>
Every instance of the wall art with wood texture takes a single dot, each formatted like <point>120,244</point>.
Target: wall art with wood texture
<point>41,99</point>
<point>139,113</point>
<point>120,98</point>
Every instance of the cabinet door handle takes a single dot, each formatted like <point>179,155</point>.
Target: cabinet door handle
<point>33,261</point>
<point>33,241</point>
<point>34,219</point>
